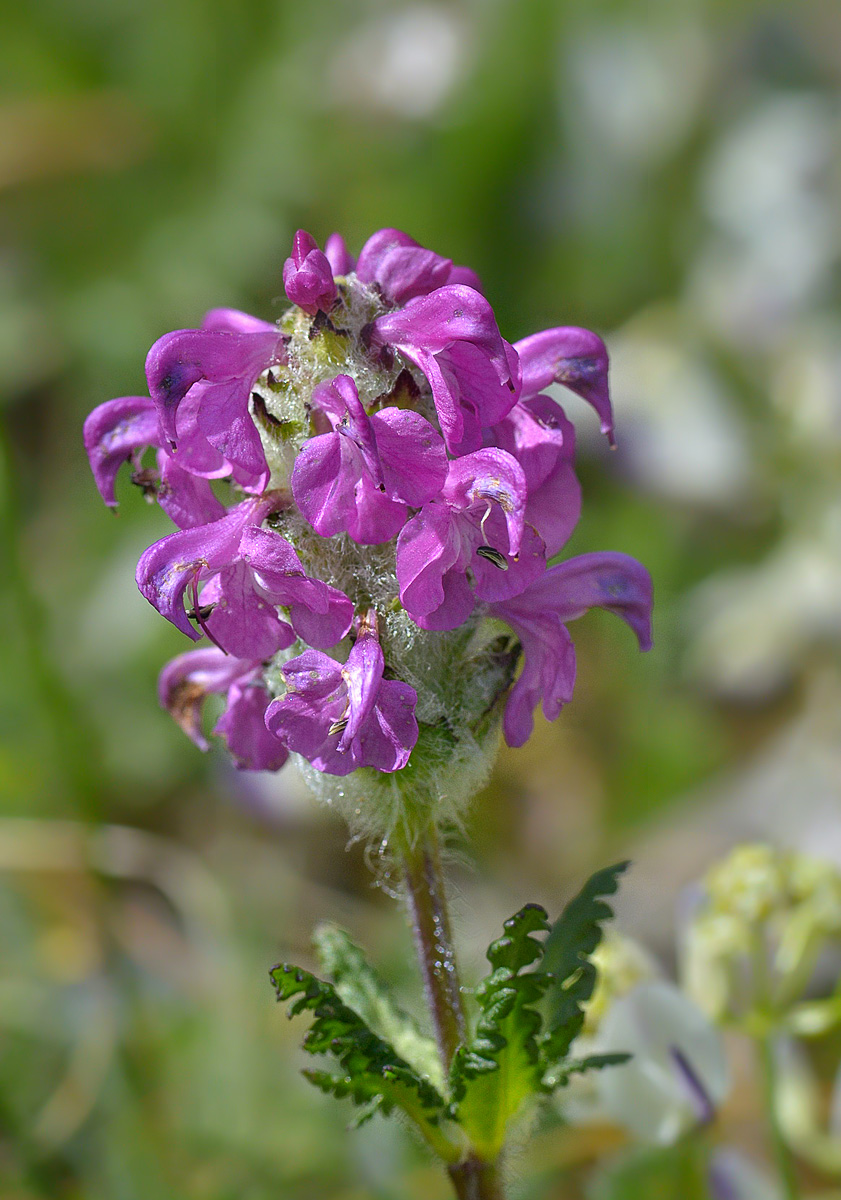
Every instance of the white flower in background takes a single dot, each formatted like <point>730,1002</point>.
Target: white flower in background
<point>405,62</point>
<point>775,236</point>
<point>626,93</point>
<point>806,391</point>
<point>677,1076</point>
<point>812,1131</point>
<point>621,964</point>
<point>683,437</point>
<point>753,625</point>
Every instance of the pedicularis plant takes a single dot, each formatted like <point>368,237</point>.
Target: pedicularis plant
<point>378,475</point>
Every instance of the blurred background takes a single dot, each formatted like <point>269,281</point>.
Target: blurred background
<point>667,173</point>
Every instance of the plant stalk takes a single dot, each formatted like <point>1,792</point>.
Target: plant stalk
<point>430,916</point>
<point>476,1180</point>
<point>472,1179</point>
<point>782,1154</point>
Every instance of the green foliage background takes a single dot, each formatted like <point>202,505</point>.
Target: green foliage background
<point>155,161</point>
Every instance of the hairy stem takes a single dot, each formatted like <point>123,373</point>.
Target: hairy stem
<point>433,941</point>
<point>782,1154</point>
<point>472,1179</point>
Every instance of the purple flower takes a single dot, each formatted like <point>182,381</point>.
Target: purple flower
<point>400,267</point>
<point>452,336</point>
<point>246,571</point>
<point>341,262</point>
<point>185,684</point>
<point>119,431</point>
<point>574,357</point>
<point>308,276</point>
<point>607,580</point>
<point>344,717</point>
<point>537,433</point>
<point>201,381</point>
<point>360,478</point>
<point>115,432</point>
<point>477,525</point>
<point>473,511</point>
<point>187,499</point>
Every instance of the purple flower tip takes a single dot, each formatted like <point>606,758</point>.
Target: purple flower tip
<point>574,357</point>
<point>308,276</point>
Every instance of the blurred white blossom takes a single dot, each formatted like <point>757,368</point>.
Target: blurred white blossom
<point>775,223</point>
<point>682,435</point>
<point>405,62</point>
<point>677,1075</point>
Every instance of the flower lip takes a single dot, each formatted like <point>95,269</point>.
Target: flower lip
<point>576,358</point>
<point>361,477</point>
<point>538,616</point>
<point>184,685</point>
<point>341,718</point>
<point>217,368</point>
<point>116,432</point>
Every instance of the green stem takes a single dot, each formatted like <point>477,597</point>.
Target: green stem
<point>472,1179</point>
<point>782,1154</point>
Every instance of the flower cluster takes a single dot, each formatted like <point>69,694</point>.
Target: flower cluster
<point>762,921</point>
<point>395,486</point>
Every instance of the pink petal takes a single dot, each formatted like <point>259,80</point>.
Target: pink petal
<point>242,622</point>
<point>168,567</point>
<point>115,431</point>
<point>319,614</point>
<point>231,320</point>
<point>308,276</point>
<point>574,357</point>
<point>429,546</point>
<point>243,726</point>
<point>412,454</point>
<point>390,735</point>
<point>450,314</point>
<point>490,478</point>
<point>341,262</point>
<point>187,499</point>
<point>362,674</point>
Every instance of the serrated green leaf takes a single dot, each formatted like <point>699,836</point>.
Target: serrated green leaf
<point>373,1071</point>
<point>561,1074</point>
<point>342,1086</point>
<point>566,957</point>
<point>363,990</point>
<point>493,1075</point>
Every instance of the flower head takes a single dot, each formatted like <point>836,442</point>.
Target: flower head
<point>377,475</point>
